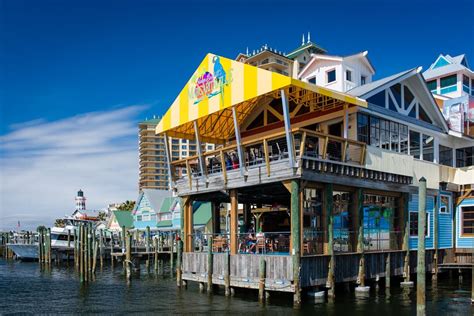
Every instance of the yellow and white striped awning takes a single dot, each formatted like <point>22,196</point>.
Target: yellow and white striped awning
<point>220,83</point>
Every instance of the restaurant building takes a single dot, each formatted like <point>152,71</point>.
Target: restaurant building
<point>328,180</point>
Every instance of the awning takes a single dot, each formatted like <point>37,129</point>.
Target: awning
<point>218,85</point>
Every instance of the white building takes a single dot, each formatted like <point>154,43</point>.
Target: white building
<point>450,76</point>
<point>338,73</point>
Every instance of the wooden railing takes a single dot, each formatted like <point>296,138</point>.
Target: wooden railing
<point>257,152</point>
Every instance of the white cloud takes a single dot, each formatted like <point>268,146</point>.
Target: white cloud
<point>43,164</point>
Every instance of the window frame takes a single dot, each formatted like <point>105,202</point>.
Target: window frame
<point>327,76</point>
<point>311,78</point>
<point>363,80</point>
<point>428,226</point>
<point>450,206</point>
<point>461,222</point>
<point>350,72</point>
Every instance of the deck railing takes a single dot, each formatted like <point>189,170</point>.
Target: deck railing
<point>262,152</point>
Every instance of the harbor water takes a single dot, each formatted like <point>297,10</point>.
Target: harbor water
<point>26,288</point>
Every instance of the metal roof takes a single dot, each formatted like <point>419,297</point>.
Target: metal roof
<point>361,91</point>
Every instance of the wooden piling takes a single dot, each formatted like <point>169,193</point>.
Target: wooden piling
<point>48,245</point>
<point>94,261</point>
<point>261,282</point>
<point>360,239</point>
<point>172,256</point>
<point>296,239</point>
<point>387,271</point>
<point>420,270</point>
<point>101,248</point>
<point>209,265</point>
<point>179,264</point>
<point>227,273</point>
<point>81,252</point>
<point>155,244</point>
<point>330,284</point>
<point>128,256</point>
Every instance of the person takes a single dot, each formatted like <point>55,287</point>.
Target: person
<point>228,161</point>
<point>235,161</point>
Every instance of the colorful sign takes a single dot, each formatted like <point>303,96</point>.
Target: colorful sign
<point>205,84</point>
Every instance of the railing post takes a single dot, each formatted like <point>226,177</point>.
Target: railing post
<point>223,166</point>
<point>209,265</point>
<point>233,221</point>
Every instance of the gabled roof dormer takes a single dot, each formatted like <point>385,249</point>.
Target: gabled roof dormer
<point>403,95</point>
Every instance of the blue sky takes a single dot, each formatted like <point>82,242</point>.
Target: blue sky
<point>68,61</point>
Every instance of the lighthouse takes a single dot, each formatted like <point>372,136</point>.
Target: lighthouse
<point>80,201</point>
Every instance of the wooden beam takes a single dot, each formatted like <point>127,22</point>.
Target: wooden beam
<point>238,142</point>
<point>234,205</point>
<point>325,147</point>
<point>344,150</point>
<point>287,184</point>
<point>223,166</point>
<point>303,144</point>
<point>289,136</point>
<point>190,176</point>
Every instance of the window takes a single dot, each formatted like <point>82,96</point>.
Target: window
<point>423,116</point>
<point>385,134</point>
<point>380,221</point>
<point>408,97</point>
<point>403,139</point>
<point>175,141</point>
<point>445,155</point>
<point>312,80</point>
<point>363,128</point>
<point>342,205</point>
<point>363,80</point>
<point>448,81</point>
<point>445,204</point>
<point>428,148</point>
<point>184,146</point>
<point>378,99</point>
<point>415,144</point>
<point>467,220</point>
<point>432,85</point>
<point>375,131</point>
<point>464,157</point>
<point>349,75</point>
<point>139,218</point>
<point>465,80</point>
<point>396,90</point>
<point>331,76</point>
<point>414,224</point>
<point>394,141</point>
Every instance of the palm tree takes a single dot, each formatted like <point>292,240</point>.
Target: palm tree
<point>126,206</point>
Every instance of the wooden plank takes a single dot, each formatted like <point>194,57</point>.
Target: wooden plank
<point>267,159</point>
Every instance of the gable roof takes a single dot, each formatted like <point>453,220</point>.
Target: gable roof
<point>166,205</point>
<point>367,90</point>
<point>316,57</point>
<point>445,65</point>
<point>298,51</point>
<point>124,218</point>
<point>220,84</point>
<point>202,213</point>
<point>155,197</point>
<point>413,78</point>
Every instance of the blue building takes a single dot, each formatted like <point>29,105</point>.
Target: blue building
<point>465,224</point>
<point>146,209</point>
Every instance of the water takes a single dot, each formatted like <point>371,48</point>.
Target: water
<point>25,288</point>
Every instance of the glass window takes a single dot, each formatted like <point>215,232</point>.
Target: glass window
<point>397,93</point>
<point>394,136</point>
<point>412,112</point>
<point>374,131</point>
<point>403,139</point>
<point>428,148</point>
<point>139,218</point>
<point>342,205</point>
<point>414,224</point>
<point>331,76</point>
<point>465,80</point>
<point>385,134</point>
<point>363,128</point>
<point>391,104</point>
<point>445,155</point>
<point>445,204</point>
<point>175,141</point>
<point>312,80</point>
<point>378,99</point>
<point>381,223</point>
<point>423,116</point>
<point>467,220</point>
<point>415,144</point>
<point>363,80</point>
<point>448,81</point>
<point>407,96</point>
<point>348,75</point>
<point>464,157</point>
<point>432,85</point>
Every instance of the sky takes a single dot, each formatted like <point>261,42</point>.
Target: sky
<point>77,76</point>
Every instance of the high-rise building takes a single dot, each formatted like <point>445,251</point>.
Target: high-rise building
<point>153,171</point>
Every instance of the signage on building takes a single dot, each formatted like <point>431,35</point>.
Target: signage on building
<point>207,84</point>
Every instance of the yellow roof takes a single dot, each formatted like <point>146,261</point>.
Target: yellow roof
<point>220,83</point>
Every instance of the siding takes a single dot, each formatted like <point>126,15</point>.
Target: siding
<point>445,226</point>
<point>413,206</point>
<point>463,242</point>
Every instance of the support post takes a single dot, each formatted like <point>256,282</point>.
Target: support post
<point>128,256</point>
<point>209,265</point>
<point>360,239</point>
<point>238,142</point>
<point>296,239</point>
<point>387,271</point>
<point>420,270</point>
<point>406,237</point>
<point>202,164</point>
<point>436,236</point>
<point>261,282</point>
<point>179,263</point>
<point>233,221</point>
<point>289,135</point>
<point>227,273</point>
<point>168,161</point>
<point>330,284</point>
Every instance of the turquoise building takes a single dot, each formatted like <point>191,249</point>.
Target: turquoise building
<point>148,204</point>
